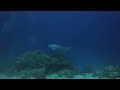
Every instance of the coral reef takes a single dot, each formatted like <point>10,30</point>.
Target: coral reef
<point>58,63</point>
<point>111,72</point>
<point>85,76</point>
<point>63,74</point>
<point>87,69</point>
<point>31,74</point>
<point>66,73</point>
<point>31,60</point>
<point>52,76</point>
<point>36,64</point>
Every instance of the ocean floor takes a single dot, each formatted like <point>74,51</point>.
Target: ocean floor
<point>54,76</point>
<point>3,76</point>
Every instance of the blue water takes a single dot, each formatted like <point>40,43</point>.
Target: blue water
<point>93,35</point>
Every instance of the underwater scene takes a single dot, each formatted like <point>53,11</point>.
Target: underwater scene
<point>59,44</point>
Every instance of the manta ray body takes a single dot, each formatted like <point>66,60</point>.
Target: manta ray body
<point>58,49</point>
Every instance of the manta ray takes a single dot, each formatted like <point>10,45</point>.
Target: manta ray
<point>58,49</point>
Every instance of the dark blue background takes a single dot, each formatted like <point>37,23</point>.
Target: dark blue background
<point>93,35</point>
